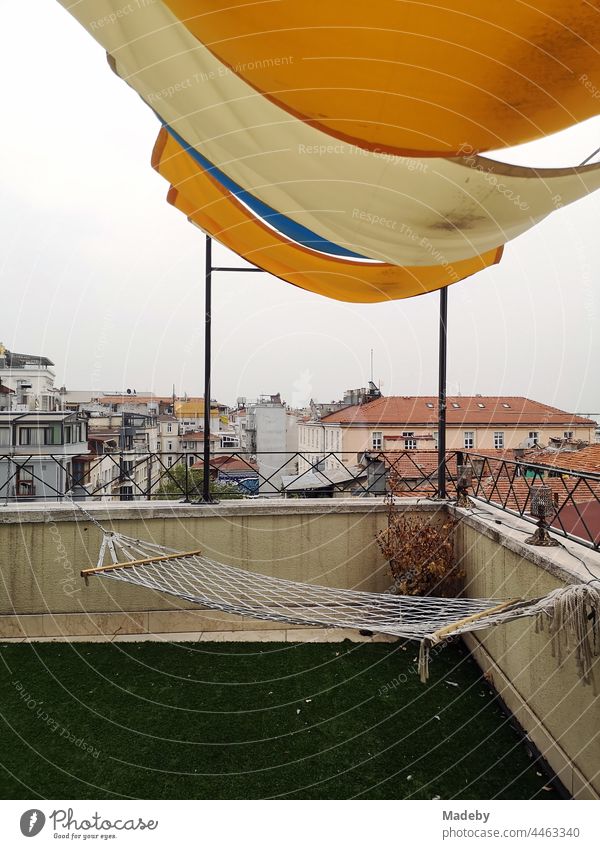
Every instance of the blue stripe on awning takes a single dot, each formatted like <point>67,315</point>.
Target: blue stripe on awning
<point>295,232</point>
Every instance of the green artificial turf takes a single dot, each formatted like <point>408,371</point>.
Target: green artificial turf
<point>253,720</point>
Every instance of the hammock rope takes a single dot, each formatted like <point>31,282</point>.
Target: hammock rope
<point>569,613</point>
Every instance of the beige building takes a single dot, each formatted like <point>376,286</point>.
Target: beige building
<point>410,423</point>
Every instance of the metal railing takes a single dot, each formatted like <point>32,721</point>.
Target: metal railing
<point>163,476</point>
<point>510,485</point>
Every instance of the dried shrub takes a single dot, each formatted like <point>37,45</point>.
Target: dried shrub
<point>421,555</point>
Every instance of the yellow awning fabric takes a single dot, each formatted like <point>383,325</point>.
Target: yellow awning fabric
<point>398,210</point>
<point>402,211</point>
<point>209,205</point>
<point>410,77</point>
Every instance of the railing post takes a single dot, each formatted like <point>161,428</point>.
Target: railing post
<point>441,493</point>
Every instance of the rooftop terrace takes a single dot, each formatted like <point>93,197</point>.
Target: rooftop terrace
<point>353,737</point>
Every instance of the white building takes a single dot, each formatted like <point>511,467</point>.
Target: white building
<point>271,432</point>
<point>38,453</point>
<point>123,464</point>
<point>31,379</point>
<point>170,430</point>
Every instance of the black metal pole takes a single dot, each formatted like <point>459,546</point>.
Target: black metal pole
<point>442,393</point>
<point>206,497</point>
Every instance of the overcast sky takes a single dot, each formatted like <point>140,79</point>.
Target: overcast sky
<point>101,275</point>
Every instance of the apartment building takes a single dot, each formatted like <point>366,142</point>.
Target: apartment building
<point>410,423</point>
<point>29,379</point>
<point>38,453</point>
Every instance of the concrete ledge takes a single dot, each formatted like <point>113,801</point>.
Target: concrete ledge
<point>569,562</point>
<point>273,635</point>
<point>107,511</point>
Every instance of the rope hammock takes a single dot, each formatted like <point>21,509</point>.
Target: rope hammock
<point>570,613</point>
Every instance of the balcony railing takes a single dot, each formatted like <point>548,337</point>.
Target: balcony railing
<point>163,476</point>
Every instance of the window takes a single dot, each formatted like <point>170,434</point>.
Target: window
<point>506,406</point>
<point>169,462</point>
<point>498,439</point>
<point>568,434</point>
<point>535,435</point>
<point>480,405</point>
<point>4,436</point>
<point>377,440</point>
<point>27,435</point>
<point>169,446</point>
<point>24,480</point>
<point>435,438</point>
<point>169,428</point>
<point>469,439</point>
<point>410,444</point>
<point>455,405</point>
<point>429,404</point>
<point>52,435</point>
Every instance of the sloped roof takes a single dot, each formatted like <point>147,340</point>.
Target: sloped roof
<point>461,410</point>
<point>14,360</point>
<point>585,460</point>
<point>228,463</point>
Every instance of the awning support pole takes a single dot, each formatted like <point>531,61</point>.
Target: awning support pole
<point>442,356</point>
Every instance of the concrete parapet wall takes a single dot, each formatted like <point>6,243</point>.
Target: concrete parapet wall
<point>558,712</point>
<point>42,551</point>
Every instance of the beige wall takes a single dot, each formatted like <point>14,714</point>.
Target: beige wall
<point>43,551</point>
<point>356,439</point>
<point>560,714</point>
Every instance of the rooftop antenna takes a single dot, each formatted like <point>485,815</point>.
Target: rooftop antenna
<point>371,365</point>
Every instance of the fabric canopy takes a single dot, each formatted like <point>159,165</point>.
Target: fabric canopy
<point>207,203</point>
<point>399,210</point>
<point>408,77</point>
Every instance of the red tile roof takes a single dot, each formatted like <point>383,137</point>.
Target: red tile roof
<point>585,460</point>
<point>229,464</point>
<point>421,410</point>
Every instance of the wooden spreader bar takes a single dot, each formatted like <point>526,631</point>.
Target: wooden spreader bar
<point>441,633</point>
<point>85,573</point>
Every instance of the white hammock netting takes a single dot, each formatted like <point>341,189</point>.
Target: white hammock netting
<point>193,577</point>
